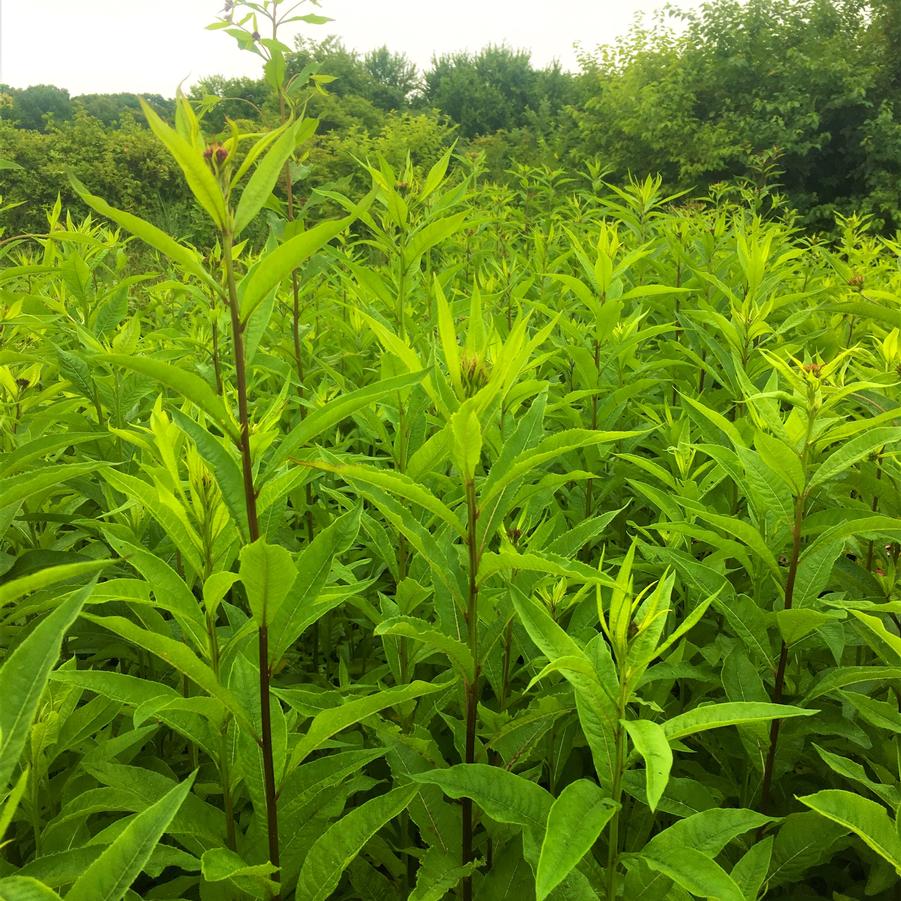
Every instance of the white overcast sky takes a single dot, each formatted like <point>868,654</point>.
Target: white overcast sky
<point>150,46</point>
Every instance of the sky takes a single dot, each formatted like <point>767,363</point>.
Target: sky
<point>152,46</point>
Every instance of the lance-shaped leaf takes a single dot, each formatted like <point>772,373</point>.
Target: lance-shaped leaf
<point>180,656</point>
<point>110,875</point>
<point>15,489</point>
<point>731,713</point>
<point>853,451</point>
<point>332,721</point>
<point>190,159</point>
<point>696,873</point>
<point>221,864</point>
<point>865,818</point>
<point>430,235</point>
<point>316,422</point>
<point>299,610</point>
<point>333,851</point>
<point>270,270</point>
<point>185,257</point>
<point>419,630</point>
<point>504,796</point>
<point>191,387</point>
<point>575,822</point>
<point>265,177</point>
<point>397,484</point>
<point>26,888</point>
<point>24,675</point>
<point>169,589</point>
<point>15,589</point>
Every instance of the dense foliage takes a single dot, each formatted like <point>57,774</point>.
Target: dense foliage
<point>482,541</point>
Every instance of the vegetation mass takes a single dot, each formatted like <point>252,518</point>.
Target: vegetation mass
<point>422,523</point>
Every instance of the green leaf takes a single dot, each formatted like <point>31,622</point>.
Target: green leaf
<point>886,644</point>
<point>111,874</point>
<point>181,657</point>
<point>23,678</point>
<point>708,831</point>
<point>25,888</point>
<point>504,796</point>
<point>713,716</point>
<point>11,801</point>
<point>696,873</point>
<point>865,818</point>
<point>316,422</point>
<point>270,270</point>
<point>261,184</point>
<point>782,460</point>
<point>432,234</point>
<point>225,468</point>
<point>198,174</point>
<point>853,451</point>
<point>419,630</point>
<point>15,489</point>
<point>330,722</point>
<point>751,870</point>
<point>221,864</point>
<point>15,589</point>
<point>466,445</point>
<point>796,623</point>
<point>188,385</point>
<point>651,742</point>
<point>575,822</point>
<point>187,258</point>
<point>830,680</point>
<point>299,610</point>
<point>268,572</point>
<point>169,589</point>
<point>436,175</point>
<point>333,851</point>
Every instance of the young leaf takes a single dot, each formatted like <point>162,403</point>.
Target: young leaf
<point>111,874</point>
<point>269,272</point>
<point>574,824</point>
<point>188,385</point>
<point>198,174</point>
<point>268,572</point>
<point>265,177</point>
<point>333,851</point>
<point>24,675</point>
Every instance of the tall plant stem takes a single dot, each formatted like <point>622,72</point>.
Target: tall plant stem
<point>472,686</point>
<point>779,685</point>
<point>253,527</point>
<point>617,794</point>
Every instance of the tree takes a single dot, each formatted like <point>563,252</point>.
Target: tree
<point>493,89</point>
<point>394,78</point>
<point>35,106</point>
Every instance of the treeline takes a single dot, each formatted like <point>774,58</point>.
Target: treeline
<point>806,94</point>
